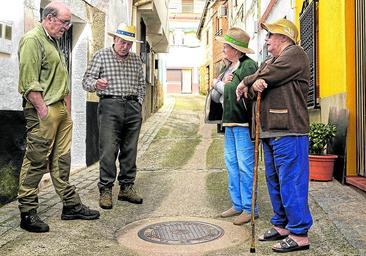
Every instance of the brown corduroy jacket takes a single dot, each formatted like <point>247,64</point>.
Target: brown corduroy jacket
<point>284,101</point>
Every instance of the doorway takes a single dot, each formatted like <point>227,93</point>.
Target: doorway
<point>187,81</point>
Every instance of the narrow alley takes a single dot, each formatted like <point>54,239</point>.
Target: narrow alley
<point>182,177</point>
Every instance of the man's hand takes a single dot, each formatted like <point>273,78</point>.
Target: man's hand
<point>101,84</point>
<point>259,85</point>
<point>241,90</point>
<point>68,103</point>
<point>38,103</point>
<point>42,111</point>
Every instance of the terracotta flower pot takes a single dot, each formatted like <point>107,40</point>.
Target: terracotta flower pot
<point>321,167</point>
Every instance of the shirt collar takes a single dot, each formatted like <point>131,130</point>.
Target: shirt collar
<point>47,34</point>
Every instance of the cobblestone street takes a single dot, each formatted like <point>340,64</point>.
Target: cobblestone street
<point>182,176</point>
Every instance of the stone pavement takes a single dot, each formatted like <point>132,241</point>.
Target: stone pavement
<point>343,205</point>
<point>85,180</point>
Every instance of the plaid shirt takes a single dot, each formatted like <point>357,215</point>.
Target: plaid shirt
<point>125,76</point>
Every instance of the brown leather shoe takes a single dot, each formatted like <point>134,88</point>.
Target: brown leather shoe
<point>243,218</point>
<point>229,213</point>
<point>129,194</point>
<point>105,199</point>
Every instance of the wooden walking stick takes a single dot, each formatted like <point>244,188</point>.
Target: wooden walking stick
<point>255,175</point>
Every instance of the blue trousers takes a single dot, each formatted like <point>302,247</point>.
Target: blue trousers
<point>239,159</point>
<point>287,175</point>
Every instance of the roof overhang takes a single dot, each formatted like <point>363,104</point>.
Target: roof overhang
<point>156,25</point>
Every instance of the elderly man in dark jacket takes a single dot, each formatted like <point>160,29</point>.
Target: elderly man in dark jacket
<point>283,81</point>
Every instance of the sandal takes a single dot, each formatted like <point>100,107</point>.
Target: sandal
<point>289,245</point>
<point>272,235</point>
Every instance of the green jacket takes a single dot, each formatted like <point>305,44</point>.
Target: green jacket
<point>42,67</point>
<point>234,111</point>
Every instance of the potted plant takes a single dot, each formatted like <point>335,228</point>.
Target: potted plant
<point>321,165</point>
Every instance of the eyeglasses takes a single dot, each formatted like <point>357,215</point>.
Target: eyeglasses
<point>65,23</point>
<point>268,36</point>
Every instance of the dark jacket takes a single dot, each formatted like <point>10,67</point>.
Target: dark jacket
<point>284,101</point>
<point>235,111</point>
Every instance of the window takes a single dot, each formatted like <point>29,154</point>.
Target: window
<point>5,31</point>
<point>8,32</point>
<point>6,36</point>
<point>187,6</point>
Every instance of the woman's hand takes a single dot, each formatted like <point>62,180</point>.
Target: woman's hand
<point>241,90</point>
<point>228,78</point>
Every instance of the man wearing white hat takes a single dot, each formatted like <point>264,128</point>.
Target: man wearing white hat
<point>283,81</point>
<point>117,76</point>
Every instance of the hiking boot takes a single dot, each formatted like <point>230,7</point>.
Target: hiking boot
<point>243,218</point>
<point>105,199</point>
<point>129,194</point>
<point>79,211</point>
<point>31,222</point>
<point>229,213</point>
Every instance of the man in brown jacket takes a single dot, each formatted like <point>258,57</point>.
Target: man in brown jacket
<point>283,81</point>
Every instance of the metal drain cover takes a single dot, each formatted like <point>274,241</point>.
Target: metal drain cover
<point>180,232</point>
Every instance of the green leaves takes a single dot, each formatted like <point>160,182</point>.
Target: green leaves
<point>319,136</point>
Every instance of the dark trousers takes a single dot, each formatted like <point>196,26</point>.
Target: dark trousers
<point>119,128</point>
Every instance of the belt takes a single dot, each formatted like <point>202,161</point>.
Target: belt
<point>128,97</point>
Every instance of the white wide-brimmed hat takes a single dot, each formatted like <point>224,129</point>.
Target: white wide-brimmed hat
<point>126,32</point>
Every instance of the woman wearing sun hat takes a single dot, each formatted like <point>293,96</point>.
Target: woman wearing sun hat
<point>238,147</point>
<point>284,82</point>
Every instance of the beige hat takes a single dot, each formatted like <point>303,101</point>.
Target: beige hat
<point>237,38</point>
<point>125,32</point>
<point>283,27</point>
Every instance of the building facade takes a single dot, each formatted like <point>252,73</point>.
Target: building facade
<point>91,19</point>
<point>185,53</point>
<point>333,35</point>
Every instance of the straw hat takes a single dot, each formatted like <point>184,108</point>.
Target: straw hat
<point>237,38</point>
<point>125,32</point>
<point>283,27</point>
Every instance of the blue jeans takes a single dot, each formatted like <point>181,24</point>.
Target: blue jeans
<point>239,159</point>
<point>287,175</point>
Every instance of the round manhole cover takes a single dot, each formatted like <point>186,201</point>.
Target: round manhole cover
<point>180,232</point>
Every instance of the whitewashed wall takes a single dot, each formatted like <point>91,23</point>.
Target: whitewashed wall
<point>79,65</point>
<point>282,8</point>
<point>13,14</point>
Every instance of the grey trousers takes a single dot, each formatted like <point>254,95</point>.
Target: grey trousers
<point>119,128</point>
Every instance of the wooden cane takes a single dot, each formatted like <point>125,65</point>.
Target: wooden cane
<point>255,174</point>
